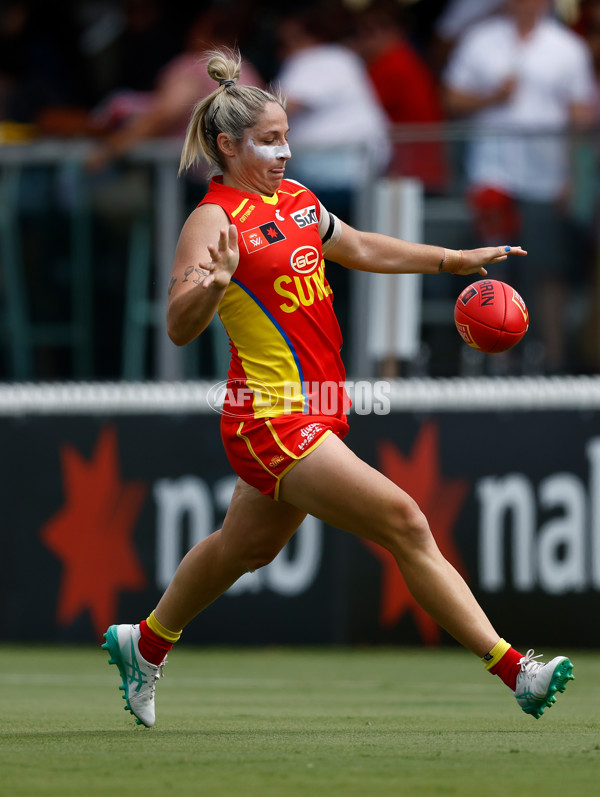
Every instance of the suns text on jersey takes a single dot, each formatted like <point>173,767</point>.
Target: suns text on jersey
<point>302,290</point>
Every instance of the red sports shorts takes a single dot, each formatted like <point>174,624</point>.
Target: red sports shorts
<point>262,450</point>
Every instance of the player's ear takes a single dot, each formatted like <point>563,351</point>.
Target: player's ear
<point>226,145</point>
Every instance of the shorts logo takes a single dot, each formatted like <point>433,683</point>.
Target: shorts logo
<point>305,216</point>
<point>259,237</point>
<point>276,460</point>
<point>305,259</point>
<point>309,433</point>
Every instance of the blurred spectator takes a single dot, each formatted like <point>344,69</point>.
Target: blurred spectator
<point>588,205</point>
<point>523,79</point>
<point>588,25</point>
<point>406,89</point>
<point>126,43</point>
<point>453,22</point>
<point>338,129</point>
<point>34,71</point>
<point>132,117</point>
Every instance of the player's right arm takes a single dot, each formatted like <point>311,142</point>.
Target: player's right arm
<point>206,257</point>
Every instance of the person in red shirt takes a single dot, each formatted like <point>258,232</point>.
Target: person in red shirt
<point>407,90</point>
<point>253,252</point>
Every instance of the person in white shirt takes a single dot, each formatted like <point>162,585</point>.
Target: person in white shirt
<point>451,24</point>
<point>526,73</point>
<point>339,130</point>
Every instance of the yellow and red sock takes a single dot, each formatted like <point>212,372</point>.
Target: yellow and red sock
<point>503,660</point>
<point>156,640</point>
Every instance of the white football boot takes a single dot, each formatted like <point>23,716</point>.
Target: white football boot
<point>538,682</point>
<point>138,675</point>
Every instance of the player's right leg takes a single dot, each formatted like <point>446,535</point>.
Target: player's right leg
<point>138,676</point>
<point>254,531</point>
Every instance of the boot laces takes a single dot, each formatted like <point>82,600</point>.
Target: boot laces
<point>159,673</point>
<point>529,659</point>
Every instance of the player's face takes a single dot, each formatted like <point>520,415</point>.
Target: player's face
<point>259,165</point>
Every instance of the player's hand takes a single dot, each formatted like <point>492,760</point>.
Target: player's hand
<point>224,259</point>
<point>473,261</point>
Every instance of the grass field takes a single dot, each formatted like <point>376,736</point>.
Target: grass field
<point>289,722</point>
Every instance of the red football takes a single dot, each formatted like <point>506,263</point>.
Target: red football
<point>491,316</point>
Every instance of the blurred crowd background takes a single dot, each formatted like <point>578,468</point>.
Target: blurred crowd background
<point>489,108</point>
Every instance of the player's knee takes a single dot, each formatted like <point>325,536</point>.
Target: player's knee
<point>260,556</point>
<point>408,529</point>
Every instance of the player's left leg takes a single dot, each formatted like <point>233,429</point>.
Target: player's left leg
<point>333,484</point>
<point>336,486</point>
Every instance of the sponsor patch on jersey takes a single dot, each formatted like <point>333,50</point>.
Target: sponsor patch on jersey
<point>305,216</point>
<point>305,259</point>
<point>246,214</point>
<point>259,237</point>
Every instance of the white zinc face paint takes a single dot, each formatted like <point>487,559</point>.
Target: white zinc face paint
<point>270,151</point>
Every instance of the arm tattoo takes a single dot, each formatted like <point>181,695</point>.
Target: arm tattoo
<point>171,284</point>
<point>200,274</point>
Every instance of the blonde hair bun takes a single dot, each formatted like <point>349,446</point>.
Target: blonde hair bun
<point>224,65</point>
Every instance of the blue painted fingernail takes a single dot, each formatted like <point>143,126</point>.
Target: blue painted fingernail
<point>507,248</point>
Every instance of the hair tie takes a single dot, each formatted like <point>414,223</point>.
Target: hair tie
<point>226,83</point>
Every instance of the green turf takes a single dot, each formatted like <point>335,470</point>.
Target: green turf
<point>288,722</point>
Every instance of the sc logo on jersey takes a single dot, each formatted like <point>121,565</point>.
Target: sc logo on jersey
<point>305,259</point>
<point>305,216</point>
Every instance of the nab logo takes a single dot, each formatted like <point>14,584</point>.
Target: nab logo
<point>259,237</point>
<point>305,216</point>
<point>305,259</point>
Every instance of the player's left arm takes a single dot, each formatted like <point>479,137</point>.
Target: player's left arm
<point>369,251</point>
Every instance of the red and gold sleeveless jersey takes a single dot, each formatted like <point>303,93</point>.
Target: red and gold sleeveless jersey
<point>278,307</point>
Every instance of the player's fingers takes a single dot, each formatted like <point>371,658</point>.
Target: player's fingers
<point>512,250</point>
<point>215,254</point>
<point>223,240</point>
